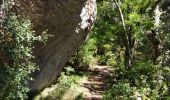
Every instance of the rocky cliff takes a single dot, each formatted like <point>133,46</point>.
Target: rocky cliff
<point>69,21</point>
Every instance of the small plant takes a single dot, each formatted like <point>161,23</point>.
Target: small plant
<point>67,79</point>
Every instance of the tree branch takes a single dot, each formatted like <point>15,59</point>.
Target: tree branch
<point>121,14</point>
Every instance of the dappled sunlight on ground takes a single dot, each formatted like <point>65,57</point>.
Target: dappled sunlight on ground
<point>97,82</point>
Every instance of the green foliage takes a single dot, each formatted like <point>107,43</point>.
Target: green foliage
<point>120,91</point>
<point>87,52</point>
<point>67,79</point>
<point>164,37</point>
<point>107,31</point>
<point>64,83</point>
<point>18,49</point>
<point>144,79</point>
<point>102,33</point>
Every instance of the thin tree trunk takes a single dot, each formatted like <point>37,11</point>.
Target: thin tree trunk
<point>126,39</point>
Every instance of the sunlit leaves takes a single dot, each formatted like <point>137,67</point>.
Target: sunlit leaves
<point>17,71</point>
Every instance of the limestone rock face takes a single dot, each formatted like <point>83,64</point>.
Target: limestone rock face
<point>69,21</point>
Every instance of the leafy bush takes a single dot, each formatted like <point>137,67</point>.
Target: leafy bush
<point>85,56</point>
<point>147,80</point>
<point>17,49</point>
<point>120,91</point>
<point>67,79</point>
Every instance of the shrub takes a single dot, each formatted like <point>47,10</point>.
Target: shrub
<point>145,79</point>
<point>120,91</point>
<point>16,46</point>
<point>85,56</point>
<point>67,79</point>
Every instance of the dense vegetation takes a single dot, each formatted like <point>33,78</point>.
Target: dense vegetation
<point>16,59</point>
<point>128,35</point>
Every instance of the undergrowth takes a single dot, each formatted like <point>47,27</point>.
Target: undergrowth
<point>67,79</point>
<point>144,81</point>
<point>16,48</point>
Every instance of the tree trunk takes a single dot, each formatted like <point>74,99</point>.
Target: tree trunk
<point>126,39</point>
<point>69,21</point>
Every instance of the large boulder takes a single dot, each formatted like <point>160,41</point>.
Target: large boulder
<point>69,21</point>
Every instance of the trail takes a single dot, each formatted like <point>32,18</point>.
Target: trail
<point>91,86</point>
<point>97,82</point>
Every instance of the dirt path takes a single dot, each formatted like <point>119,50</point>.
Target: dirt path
<point>97,82</point>
<point>90,87</point>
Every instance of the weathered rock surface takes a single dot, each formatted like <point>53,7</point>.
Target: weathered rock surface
<point>69,21</point>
